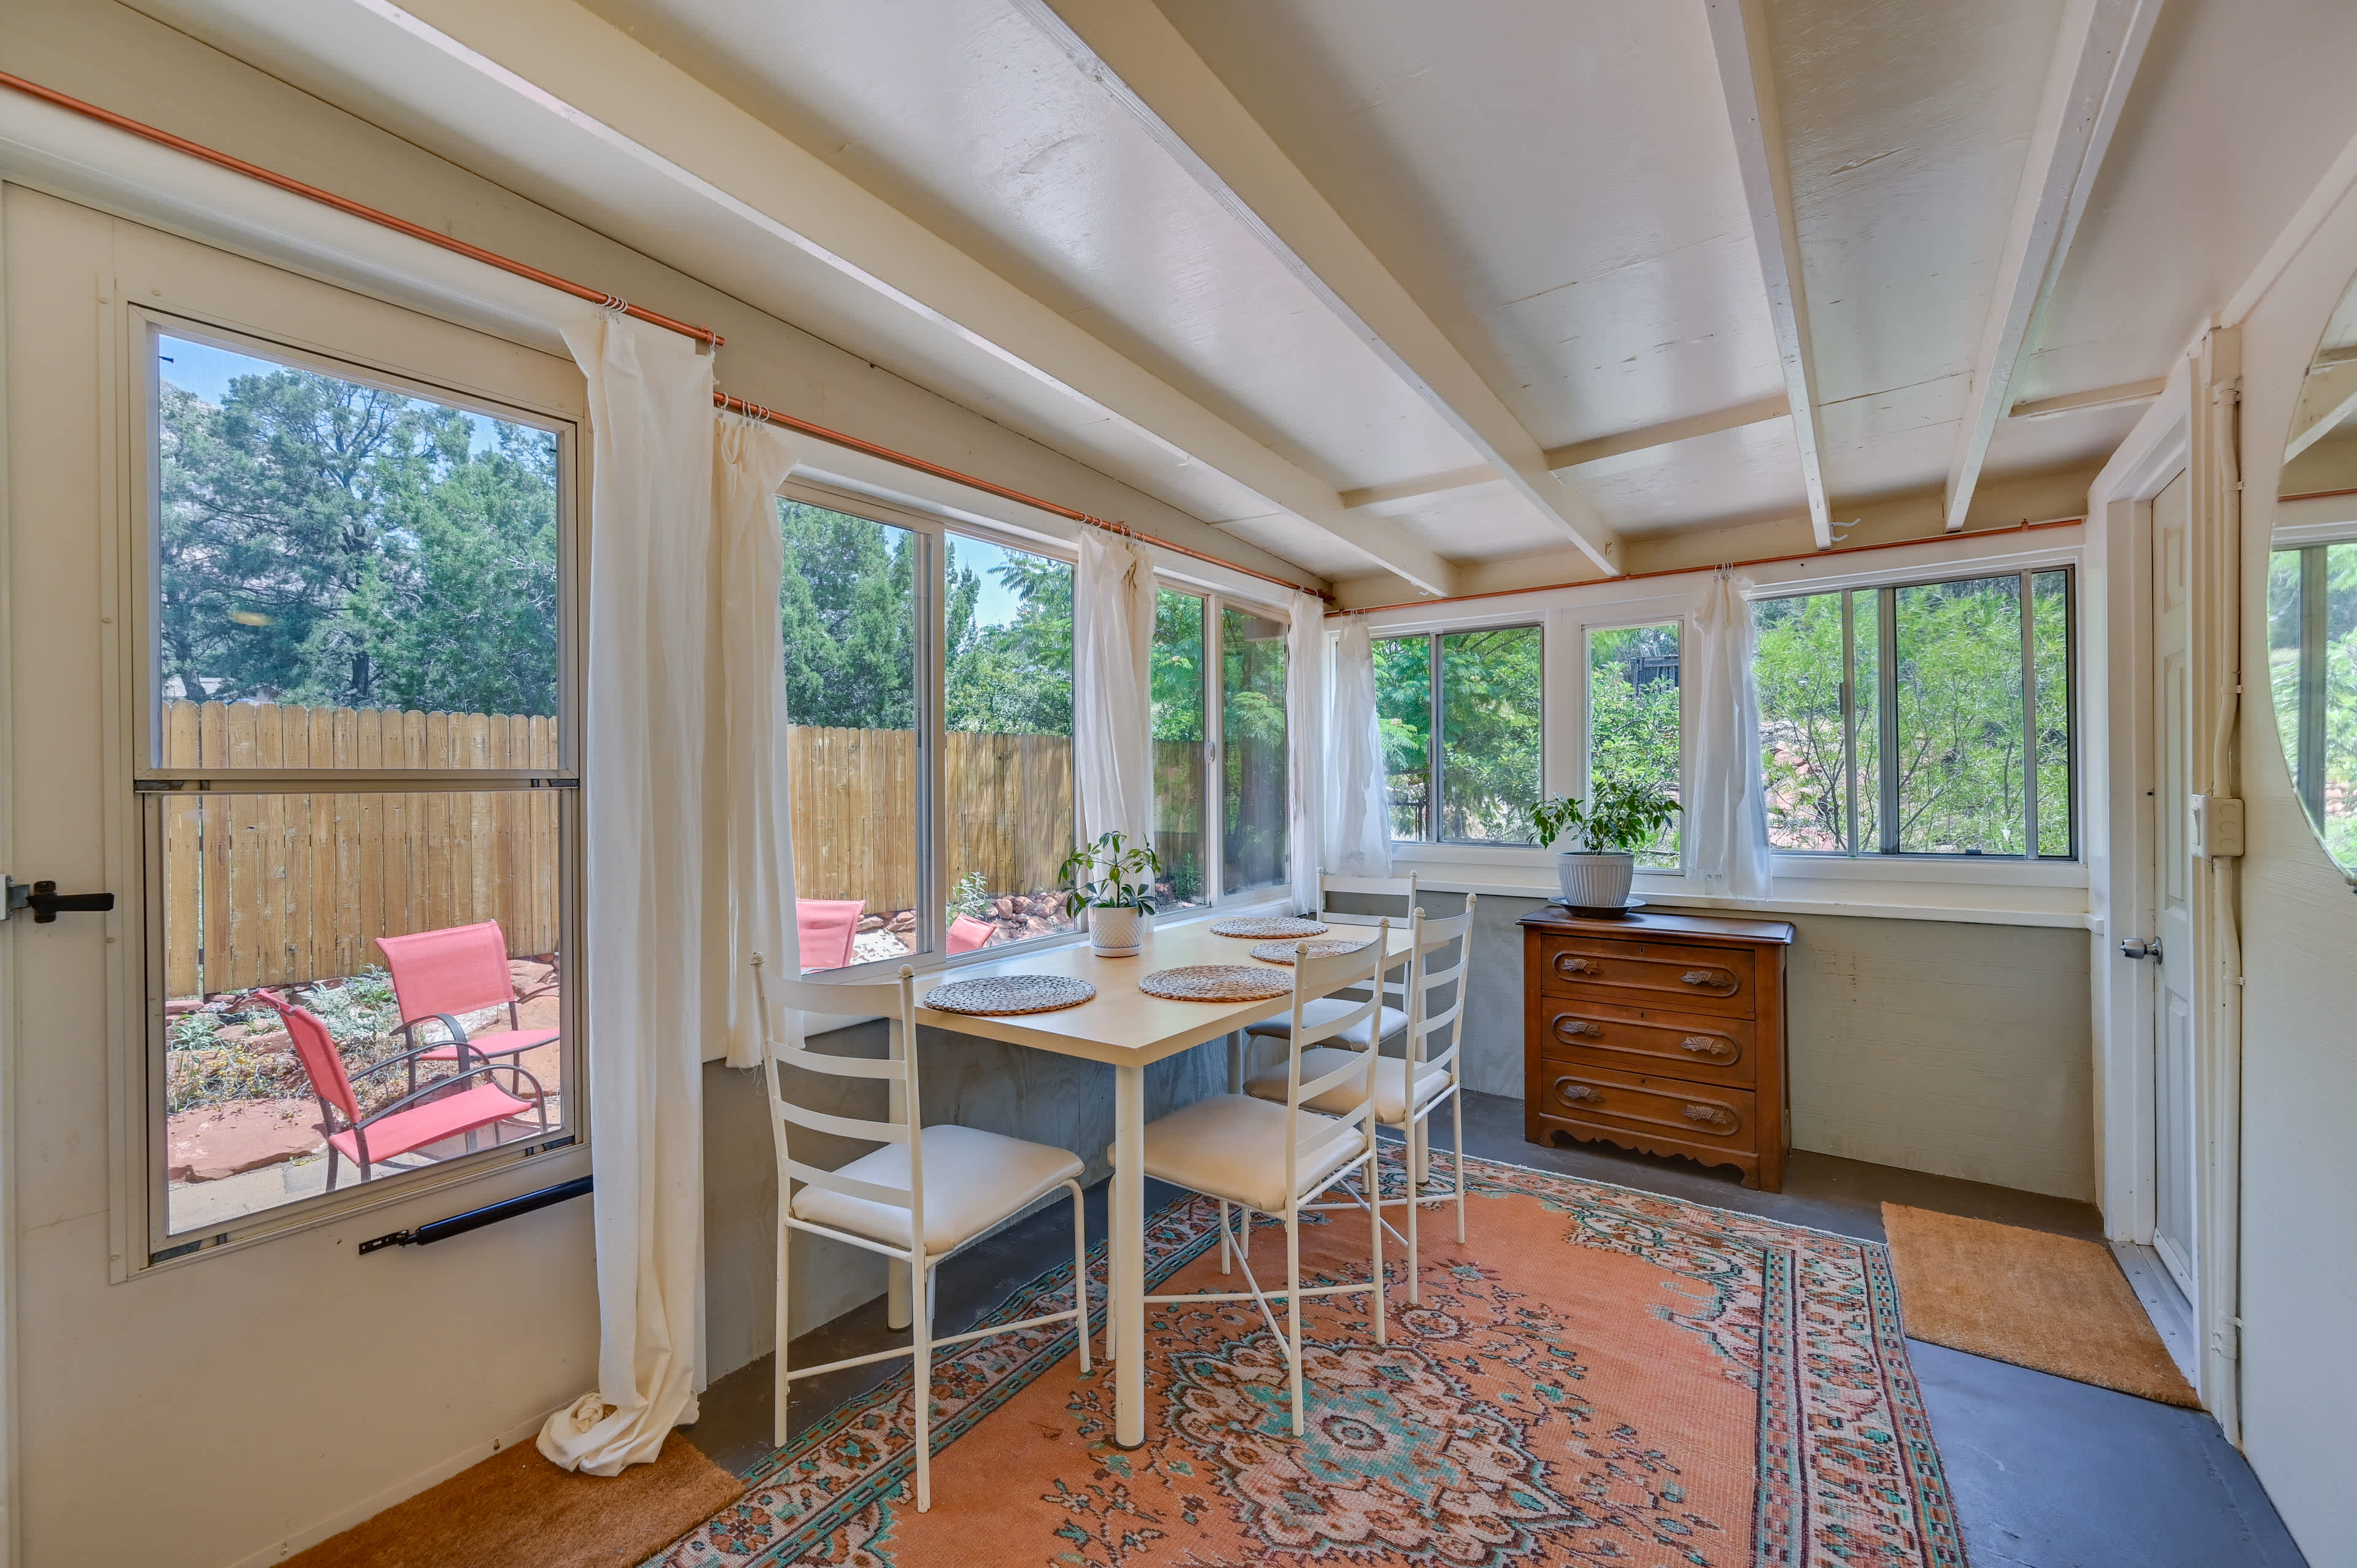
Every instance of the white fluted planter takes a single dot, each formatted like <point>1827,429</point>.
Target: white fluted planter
<point>1117,933</point>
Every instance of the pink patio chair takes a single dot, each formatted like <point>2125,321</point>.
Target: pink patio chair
<point>459,969</point>
<point>445,1108</point>
<point>966,933</point>
<point>828,925</point>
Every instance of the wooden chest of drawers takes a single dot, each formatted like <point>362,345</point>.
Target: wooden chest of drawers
<point>1664,1033</point>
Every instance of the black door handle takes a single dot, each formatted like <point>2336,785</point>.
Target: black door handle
<point>46,903</point>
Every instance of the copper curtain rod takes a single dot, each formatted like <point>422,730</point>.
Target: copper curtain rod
<point>342,204</point>
<point>788,421</point>
<point>582,291</point>
<point>1690,571</point>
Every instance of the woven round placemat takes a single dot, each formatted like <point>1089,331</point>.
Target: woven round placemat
<point>1005,994</point>
<point>1282,952</point>
<point>1270,926</point>
<point>1217,982</point>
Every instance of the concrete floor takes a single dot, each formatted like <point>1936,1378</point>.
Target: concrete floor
<point>2047,1472</point>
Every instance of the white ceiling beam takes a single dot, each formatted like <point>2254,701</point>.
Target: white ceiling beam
<point>1430,485</point>
<point>2100,397</point>
<point>1131,51</point>
<point>1758,412</point>
<point>580,70</point>
<point>1747,79</point>
<point>2102,42</point>
<point>2326,398</point>
<point>1645,439</point>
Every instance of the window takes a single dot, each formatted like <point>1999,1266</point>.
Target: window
<point>1635,721</point>
<point>847,603</point>
<point>351,577</point>
<point>1006,761</point>
<point>2312,665</point>
<point>899,852</point>
<point>1482,692</point>
<point>1179,750</point>
<point>1925,718</point>
<point>1251,736</point>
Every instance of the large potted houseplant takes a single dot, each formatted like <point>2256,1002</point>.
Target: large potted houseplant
<point>1618,819</point>
<point>1114,880</point>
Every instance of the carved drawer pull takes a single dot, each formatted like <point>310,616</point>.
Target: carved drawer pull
<point>1711,1115</point>
<point>1704,1045</point>
<point>1576,966</point>
<point>1577,1026</point>
<point>1573,1093</point>
<point>1704,977</point>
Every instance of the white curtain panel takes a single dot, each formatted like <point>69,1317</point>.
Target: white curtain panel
<point>1112,691</point>
<point>750,460</point>
<point>1305,749</point>
<point>1358,802</point>
<point>649,759</point>
<point>1729,812</point>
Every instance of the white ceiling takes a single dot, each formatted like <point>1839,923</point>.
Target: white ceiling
<point>1347,276</point>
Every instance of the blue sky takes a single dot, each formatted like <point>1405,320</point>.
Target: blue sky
<point>996,605</point>
<point>206,371</point>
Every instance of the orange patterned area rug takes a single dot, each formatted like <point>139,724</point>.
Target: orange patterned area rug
<point>1597,1376</point>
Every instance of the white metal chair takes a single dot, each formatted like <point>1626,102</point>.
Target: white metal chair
<point>914,1198</point>
<point>1434,1073</point>
<point>1391,1020</point>
<point>1255,1156</point>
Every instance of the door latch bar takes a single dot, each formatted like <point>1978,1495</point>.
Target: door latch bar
<point>46,903</point>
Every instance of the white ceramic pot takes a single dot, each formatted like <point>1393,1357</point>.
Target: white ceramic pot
<point>1596,881</point>
<point>1115,933</point>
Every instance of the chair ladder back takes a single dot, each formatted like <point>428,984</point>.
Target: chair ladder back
<point>850,1186</point>
<point>1313,978</point>
<point>895,1002</point>
<point>1431,937</point>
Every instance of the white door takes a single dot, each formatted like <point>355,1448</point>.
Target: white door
<point>2173,1234</point>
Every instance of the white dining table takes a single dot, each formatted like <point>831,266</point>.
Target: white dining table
<point>1129,1030</point>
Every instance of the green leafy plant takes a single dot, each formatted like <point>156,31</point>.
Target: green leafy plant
<point>1619,816</point>
<point>1111,874</point>
<point>970,896</point>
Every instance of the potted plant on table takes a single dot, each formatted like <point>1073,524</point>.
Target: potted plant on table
<point>1114,880</point>
<point>1618,819</point>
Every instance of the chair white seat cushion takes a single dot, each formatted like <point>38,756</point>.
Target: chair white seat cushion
<point>973,1179</point>
<point>1232,1146</point>
<point>1325,1010</point>
<point>1391,1073</point>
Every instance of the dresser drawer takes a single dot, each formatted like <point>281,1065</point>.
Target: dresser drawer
<point>1622,1106</point>
<point>1582,1030</point>
<point>1686,979</point>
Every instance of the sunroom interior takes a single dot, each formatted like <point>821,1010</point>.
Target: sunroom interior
<point>1173,781</point>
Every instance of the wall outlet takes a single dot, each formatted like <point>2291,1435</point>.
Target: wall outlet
<point>2217,827</point>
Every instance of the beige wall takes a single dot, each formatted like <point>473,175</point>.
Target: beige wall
<point>1937,1046</point>
<point>1966,1050</point>
<point>2298,1272</point>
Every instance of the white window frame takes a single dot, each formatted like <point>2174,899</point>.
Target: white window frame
<point>1886,689</point>
<point>1971,889</point>
<point>143,1241</point>
<point>1436,710</point>
<point>936,523</point>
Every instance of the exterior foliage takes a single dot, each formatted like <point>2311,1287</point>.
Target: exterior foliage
<point>330,544</point>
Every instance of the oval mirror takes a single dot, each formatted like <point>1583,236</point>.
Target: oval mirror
<point>2313,591</point>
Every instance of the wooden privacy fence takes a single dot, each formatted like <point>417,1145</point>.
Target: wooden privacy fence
<point>1009,814</point>
<point>279,889</point>
<point>285,888</point>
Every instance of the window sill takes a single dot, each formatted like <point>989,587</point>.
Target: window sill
<point>1972,891</point>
